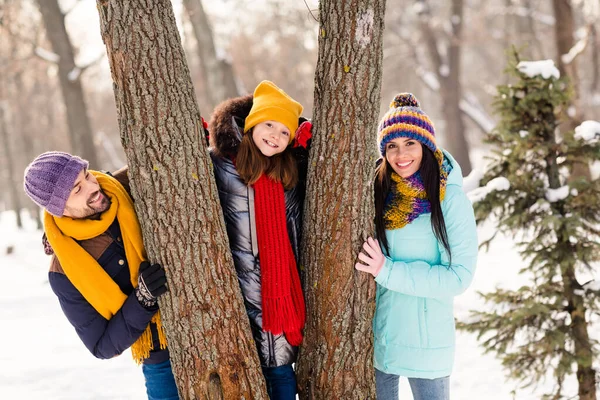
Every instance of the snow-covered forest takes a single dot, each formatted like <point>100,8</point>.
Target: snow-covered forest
<point>512,87</point>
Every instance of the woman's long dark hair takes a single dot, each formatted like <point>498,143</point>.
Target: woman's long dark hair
<point>430,171</point>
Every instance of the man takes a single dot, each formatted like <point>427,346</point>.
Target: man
<point>106,288</point>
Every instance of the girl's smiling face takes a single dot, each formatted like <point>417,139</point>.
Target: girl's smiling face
<point>271,137</point>
<point>404,156</point>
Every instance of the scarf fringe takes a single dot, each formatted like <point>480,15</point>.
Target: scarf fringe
<point>140,350</point>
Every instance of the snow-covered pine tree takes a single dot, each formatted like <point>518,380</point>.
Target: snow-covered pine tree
<point>542,329</point>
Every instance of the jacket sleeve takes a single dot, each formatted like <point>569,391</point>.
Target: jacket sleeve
<point>418,278</point>
<point>103,338</point>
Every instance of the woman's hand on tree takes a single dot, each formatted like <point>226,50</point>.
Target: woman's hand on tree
<point>374,258</point>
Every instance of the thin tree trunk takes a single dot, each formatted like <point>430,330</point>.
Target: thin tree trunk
<point>564,28</point>
<point>336,359</point>
<point>595,46</point>
<point>80,130</point>
<point>9,160</point>
<point>450,84</point>
<point>218,74</point>
<point>212,352</point>
<point>586,375</point>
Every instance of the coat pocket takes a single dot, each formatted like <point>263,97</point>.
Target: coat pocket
<point>439,323</point>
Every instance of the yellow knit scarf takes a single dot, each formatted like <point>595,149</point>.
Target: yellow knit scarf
<point>84,272</point>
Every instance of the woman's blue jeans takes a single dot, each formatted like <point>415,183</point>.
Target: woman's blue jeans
<point>386,386</point>
<point>281,382</point>
<point>160,382</point>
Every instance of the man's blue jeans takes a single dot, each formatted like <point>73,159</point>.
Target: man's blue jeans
<point>160,382</point>
<point>281,382</point>
<point>386,386</point>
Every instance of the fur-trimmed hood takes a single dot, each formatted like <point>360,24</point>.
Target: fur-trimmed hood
<point>226,125</point>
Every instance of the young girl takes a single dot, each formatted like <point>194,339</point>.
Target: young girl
<point>256,164</point>
<point>426,228</point>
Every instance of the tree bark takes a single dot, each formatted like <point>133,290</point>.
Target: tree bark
<point>13,187</point>
<point>336,359</point>
<point>450,85</point>
<point>80,130</point>
<point>212,352</point>
<point>218,73</point>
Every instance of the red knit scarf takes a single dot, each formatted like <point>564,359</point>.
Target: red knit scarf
<point>282,299</point>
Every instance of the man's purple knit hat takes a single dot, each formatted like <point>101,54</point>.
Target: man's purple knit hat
<point>49,179</point>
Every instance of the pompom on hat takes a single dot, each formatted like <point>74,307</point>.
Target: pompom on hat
<point>49,180</point>
<point>270,103</point>
<point>406,119</point>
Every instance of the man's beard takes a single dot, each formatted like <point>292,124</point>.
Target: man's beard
<point>97,212</point>
<point>93,213</point>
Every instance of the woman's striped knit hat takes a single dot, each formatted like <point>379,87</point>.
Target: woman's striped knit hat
<point>406,119</point>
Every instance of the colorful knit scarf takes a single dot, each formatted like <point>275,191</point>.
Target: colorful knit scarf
<point>407,198</point>
<point>84,272</point>
<point>281,291</point>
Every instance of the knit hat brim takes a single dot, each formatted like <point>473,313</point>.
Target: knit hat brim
<point>270,103</point>
<point>63,187</point>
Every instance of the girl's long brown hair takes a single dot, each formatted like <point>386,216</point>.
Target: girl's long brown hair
<point>251,163</point>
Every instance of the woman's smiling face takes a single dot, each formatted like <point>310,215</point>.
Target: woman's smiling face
<point>404,156</point>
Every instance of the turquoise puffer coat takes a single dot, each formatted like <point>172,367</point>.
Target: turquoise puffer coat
<point>414,322</point>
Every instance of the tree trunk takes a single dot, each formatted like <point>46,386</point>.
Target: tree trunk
<point>212,352</point>
<point>450,85</point>
<point>564,28</point>
<point>219,80</point>
<point>586,375</point>
<point>80,130</point>
<point>336,359</point>
<point>13,188</point>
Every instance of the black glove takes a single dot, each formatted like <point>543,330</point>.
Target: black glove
<point>152,283</point>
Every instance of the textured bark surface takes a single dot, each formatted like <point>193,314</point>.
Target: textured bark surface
<point>218,74</point>
<point>212,351</point>
<point>448,72</point>
<point>80,130</point>
<point>336,359</point>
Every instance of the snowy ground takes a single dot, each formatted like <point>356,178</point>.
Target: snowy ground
<point>42,357</point>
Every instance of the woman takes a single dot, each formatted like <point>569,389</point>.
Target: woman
<point>426,228</point>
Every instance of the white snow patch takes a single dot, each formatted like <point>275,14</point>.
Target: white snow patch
<point>471,182</point>
<point>554,195</point>
<point>496,184</point>
<point>444,70</point>
<point>545,68</point>
<point>588,131</point>
<point>593,285</point>
<point>74,74</point>
<point>577,49</point>
<point>47,55</point>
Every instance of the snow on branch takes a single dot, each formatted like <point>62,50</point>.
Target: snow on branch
<point>577,48</point>
<point>73,75</point>
<point>47,55</point>
<point>554,195</point>
<point>545,68</point>
<point>496,184</point>
<point>588,131</point>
